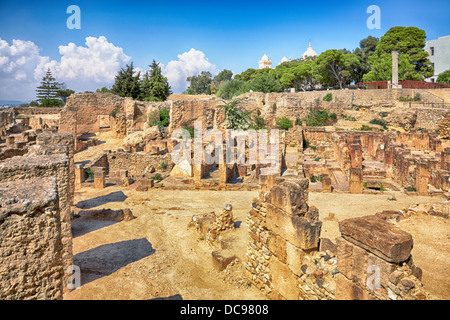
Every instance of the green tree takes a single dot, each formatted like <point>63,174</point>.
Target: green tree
<point>126,83</point>
<point>63,94</point>
<point>154,86</point>
<point>381,68</point>
<point>410,42</point>
<point>224,75</point>
<point>104,90</point>
<point>334,67</point>
<point>365,50</point>
<point>200,84</point>
<point>234,87</point>
<point>266,83</point>
<point>444,77</point>
<point>299,76</point>
<point>251,74</point>
<point>46,92</point>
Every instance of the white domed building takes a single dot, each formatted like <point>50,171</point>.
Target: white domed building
<point>265,62</point>
<point>309,53</point>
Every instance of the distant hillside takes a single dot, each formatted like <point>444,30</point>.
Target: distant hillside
<point>11,102</point>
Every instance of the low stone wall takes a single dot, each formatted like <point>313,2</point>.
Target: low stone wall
<point>55,165</point>
<point>430,118</point>
<point>287,259</point>
<point>31,262</point>
<point>137,164</point>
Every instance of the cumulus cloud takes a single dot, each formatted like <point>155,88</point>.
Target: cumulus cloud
<point>17,64</point>
<point>83,66</point>
<point>188,64</point>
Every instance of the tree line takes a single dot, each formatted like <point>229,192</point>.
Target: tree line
<point>337,68</point>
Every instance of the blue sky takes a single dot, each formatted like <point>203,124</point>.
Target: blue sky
<point>226,35</point>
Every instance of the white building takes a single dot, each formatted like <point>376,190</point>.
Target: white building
<point>265,62</point>
<point>309,53</point>
<point>439,55</point>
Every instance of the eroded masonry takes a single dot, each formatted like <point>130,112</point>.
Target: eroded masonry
<point>287,257</point>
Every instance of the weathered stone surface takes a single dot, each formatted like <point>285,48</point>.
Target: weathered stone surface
<point>378,236</point>
<point>283,280</point>
<point>326,244</point>
<point>31,255</point>
<point>290,197</point>
<point>222,258</point>
<point>182,169</point>
<point>299,231</point>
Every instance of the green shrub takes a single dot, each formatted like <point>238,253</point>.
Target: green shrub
<point>164,165</point>
<point>164,118</point>
<point>328,97</point>
<point>411,189</point>
<point>317,159</point>
<point>113,113</point>
<point>284,123</point>
<point>379,122</point>
<point>365,128</point>
<point>320,117</point>
<point>318,178</point>
<point>157,177</point>
<point>89,173</point>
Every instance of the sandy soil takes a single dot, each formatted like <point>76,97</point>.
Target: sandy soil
<point>156,255</point>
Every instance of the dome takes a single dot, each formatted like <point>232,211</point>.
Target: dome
<point>265,57</point>
<point>284,59</point>
<point>309,52</point>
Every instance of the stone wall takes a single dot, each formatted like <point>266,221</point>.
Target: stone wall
<point>429,118</point>
<point>31,262</point>
<point>40,166</point>
<point>287,259</point>
<point>137,164</point>
<point>84,109</point>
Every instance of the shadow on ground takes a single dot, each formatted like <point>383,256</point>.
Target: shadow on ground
<point>117,196</point>
<point>108,258</point>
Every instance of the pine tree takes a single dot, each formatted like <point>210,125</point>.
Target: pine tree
<point>154,86</point>
<point>126,83</point>
<point>46,93</point>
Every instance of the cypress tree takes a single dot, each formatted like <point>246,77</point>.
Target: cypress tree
<point>46,93</point>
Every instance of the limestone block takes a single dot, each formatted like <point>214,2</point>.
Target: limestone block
<point>283,280</point>
<point>182,169</point>
<point>290,197</point>
<point>298,230</point>
<point>222,258</point>
<point>378,236</point>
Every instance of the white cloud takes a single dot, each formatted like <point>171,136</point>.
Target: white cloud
<point>80,67</point>
<point>85,67</point>
<point>188,64</point>
<point>17,64</point>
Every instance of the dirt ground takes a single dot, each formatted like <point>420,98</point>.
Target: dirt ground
<point>156,255</point>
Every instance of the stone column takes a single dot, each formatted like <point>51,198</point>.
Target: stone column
<point>356,181</point>
<point>445,159</point>
<point>326,183</point>
<point>395,84</point>
<point>422,174</point>
<point>99,177</point>
<point>79,175</point>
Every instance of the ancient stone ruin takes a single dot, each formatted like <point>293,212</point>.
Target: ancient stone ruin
<point>98,164</point>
